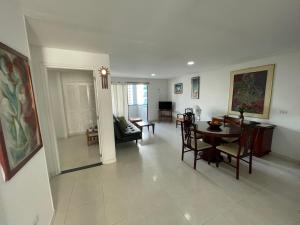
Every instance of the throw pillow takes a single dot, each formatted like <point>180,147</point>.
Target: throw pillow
<point>123,123</point>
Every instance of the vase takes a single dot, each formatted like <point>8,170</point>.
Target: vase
<point>242,115</point>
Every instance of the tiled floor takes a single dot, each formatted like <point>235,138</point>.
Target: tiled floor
<point>74,152</point>
<point>149,185</point>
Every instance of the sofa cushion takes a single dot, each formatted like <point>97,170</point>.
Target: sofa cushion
<point>122,123</point>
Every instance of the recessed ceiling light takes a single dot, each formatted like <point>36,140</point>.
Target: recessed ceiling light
<point>153,74</point>
<point>190,63</point>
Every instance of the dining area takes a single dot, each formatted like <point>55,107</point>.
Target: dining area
<point>224,139</point>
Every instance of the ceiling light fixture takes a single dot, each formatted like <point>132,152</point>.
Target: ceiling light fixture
<point>153,74</point>
<point>190,63</point>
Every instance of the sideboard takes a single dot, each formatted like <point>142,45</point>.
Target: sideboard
<point>263,141</point>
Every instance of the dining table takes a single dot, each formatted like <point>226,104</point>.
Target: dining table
<point>214,137</point>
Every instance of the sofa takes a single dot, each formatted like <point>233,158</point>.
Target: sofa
<point>131,133</point>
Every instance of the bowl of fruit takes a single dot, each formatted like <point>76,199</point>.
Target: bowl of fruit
<point>214,125</point>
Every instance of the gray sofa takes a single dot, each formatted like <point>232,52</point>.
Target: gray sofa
<point>131,133</point>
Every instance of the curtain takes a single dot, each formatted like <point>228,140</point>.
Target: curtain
<point>119,100</point>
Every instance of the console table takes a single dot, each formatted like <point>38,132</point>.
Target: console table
<point>165,114</point>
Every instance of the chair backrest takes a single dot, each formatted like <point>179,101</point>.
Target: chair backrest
<point>189,110</point>
<point>233,121</point>
<point>246,140</point>
<point>189,116</point>
<point>188,132</point>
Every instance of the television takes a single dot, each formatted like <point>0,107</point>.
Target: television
<point>165,105</point>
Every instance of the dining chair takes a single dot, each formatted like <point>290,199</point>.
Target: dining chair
<point>189,110</point>
<point>231,121</point>
<point>189,143</point>
<point>180,116</point>
<point>240,150</point>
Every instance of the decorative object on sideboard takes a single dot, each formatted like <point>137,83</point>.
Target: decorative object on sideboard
<point>104,72</point>
<point>241,111</point>
<point>252,89</point>
<point>178,88</point>
<point>197,110</point>
<point>20,137</point>
<point>195,87</point>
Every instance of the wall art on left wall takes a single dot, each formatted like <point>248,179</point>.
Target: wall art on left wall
<point>20,135</point>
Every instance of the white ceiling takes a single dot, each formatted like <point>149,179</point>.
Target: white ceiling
<point>160,36</point>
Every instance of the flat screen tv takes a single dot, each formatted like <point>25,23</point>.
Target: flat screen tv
<point>165,105</point>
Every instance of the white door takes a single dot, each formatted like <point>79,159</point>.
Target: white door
<point>80,106</point>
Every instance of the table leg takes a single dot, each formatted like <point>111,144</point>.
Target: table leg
<point>153,125</point>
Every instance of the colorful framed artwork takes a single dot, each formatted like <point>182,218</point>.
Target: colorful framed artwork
<point>195,87</point>
<point>178,88</point>
<point>251,91</point>
<point>20,135</point>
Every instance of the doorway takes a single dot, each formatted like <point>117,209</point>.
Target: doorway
<point>138,101</point>
<point>73,107</point>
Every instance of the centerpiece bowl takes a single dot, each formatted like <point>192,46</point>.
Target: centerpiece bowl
<point>214,125</point>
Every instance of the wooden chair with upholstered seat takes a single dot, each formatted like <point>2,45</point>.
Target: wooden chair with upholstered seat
<point>233,122</point>
<point>240,150</point>
<point>180,116</point>
<point>189,143</point>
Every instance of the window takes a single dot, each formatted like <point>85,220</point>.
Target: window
<point>137,94</point>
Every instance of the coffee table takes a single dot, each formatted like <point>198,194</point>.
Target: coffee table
<point>134,120</point>
<point>142,124</point>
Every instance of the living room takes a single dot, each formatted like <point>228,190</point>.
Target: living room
<point>211,87</point>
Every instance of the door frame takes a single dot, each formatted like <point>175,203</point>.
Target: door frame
<point>54,152</point>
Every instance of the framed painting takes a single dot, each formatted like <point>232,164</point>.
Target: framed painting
<point>195,87</point>
<point>251,91</point>
<point>178,88</point>
<point>20,136</point>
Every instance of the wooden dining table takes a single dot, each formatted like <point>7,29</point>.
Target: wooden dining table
<point>214,137</point>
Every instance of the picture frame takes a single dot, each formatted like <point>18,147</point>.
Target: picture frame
<point>20,135</point>
<point>195,87</point>
<point>178,88</point>
<point>251,91</point>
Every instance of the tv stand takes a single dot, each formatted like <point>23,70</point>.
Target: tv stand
<point>165,114</point>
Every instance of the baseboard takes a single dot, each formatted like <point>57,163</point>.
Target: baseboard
<point>284,157</point>
<point>52,219</point>
<point>109,161</point>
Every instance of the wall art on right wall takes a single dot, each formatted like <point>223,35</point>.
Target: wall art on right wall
<point>251,91</point>
<point>195,87</point>
<point>178,88</point>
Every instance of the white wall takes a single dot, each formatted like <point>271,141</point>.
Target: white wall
<point>28,192</point>
<point>77,60</point>
<point>158,91</point>
<point>214,94</point>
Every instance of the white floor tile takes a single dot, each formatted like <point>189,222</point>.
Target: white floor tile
<point>150,185</point>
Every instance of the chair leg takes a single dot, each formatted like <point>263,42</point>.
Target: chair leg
<point>195,159</point>
<point>237,168</point>
<point>217,158</point>
<point>176,124</point>
<point>229,158</point>
<point>209,157</point>
<point>250,164</point>
<point>182,153</point>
